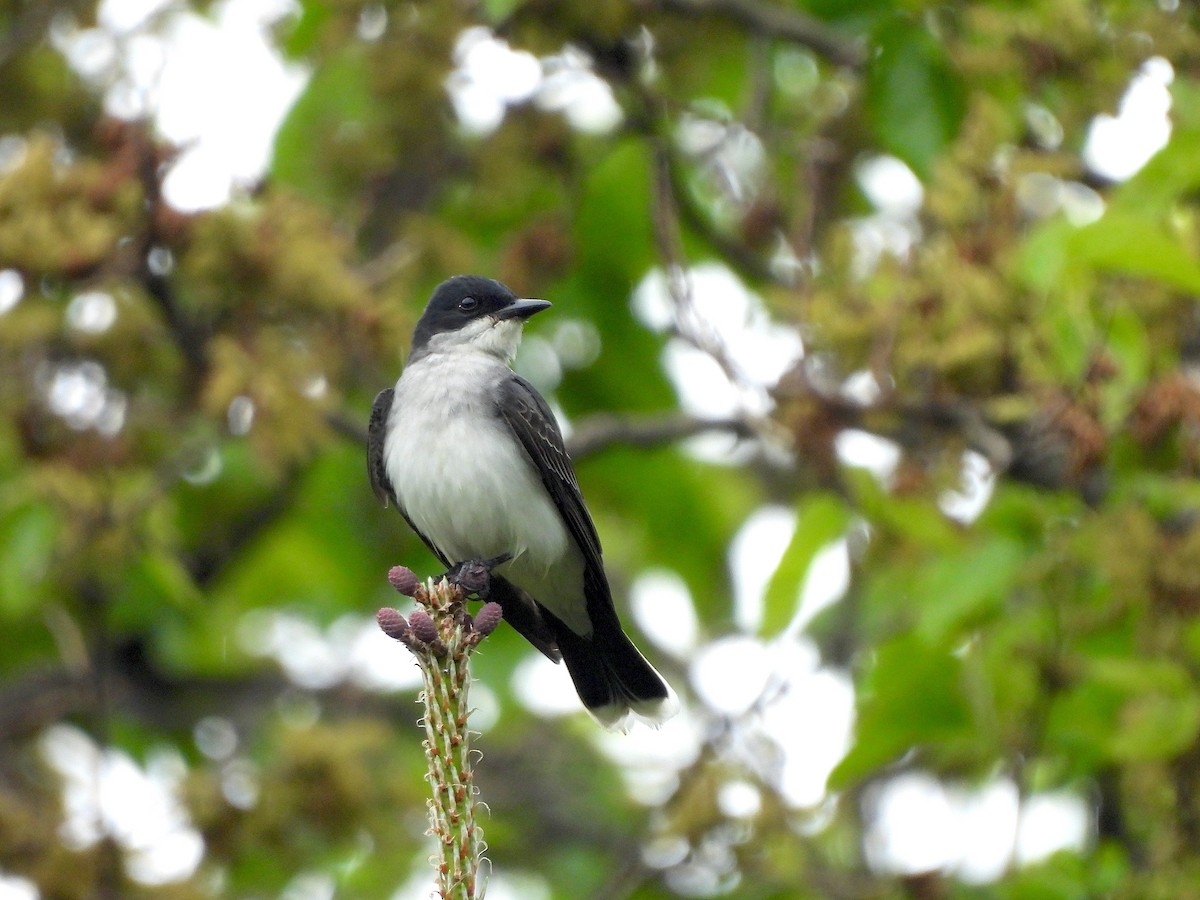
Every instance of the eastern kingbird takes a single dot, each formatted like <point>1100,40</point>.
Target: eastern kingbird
<point>472,457</point>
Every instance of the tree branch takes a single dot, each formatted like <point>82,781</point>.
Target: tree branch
<point>778,22</point>
<point>600,431</point>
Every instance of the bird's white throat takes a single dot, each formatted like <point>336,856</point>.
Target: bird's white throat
<point>496,337</point>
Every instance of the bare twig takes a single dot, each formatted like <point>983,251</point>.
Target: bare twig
<point>733,251</point>
<point>689,326</point>
<point>599,432</point>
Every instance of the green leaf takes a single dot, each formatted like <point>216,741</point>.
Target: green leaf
<point>913,518</point>
<point>153,580</point>
<point>325,145</point>
<point>953,590</point>
<point>913,696</point>
<point>1126,710</point>
<point>821,519</point>
<point>306,28</point>
<point>1135,244</point>
<point>914,97</point>
<point>499,10</point>
<point>1155,726</point>
<point>1043,259</point>
<point>27,541</point>
<point>613,228</point>
<point>1058,255</point>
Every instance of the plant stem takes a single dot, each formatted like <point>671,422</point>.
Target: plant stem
<point>442,636</point>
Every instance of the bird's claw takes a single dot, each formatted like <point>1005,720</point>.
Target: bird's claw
<point>475,575</point>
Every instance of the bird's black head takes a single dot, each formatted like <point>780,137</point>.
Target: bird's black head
<point>470,306</point>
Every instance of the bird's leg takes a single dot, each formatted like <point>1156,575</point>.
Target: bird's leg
<point>475,575</point>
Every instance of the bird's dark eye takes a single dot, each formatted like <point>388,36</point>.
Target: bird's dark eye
<point>468,304</point>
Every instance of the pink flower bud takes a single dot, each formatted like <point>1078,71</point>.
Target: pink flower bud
<point>392,623</point>
<point>488,618</point>
<point>422,627</point>
<point>404,580</point>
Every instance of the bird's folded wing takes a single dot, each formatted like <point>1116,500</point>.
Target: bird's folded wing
<point>533,424</point>
<point>376,432</point>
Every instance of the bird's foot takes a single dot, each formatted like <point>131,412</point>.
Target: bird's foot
<point>475,575</point>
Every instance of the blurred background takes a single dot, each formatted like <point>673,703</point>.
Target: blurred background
<point>875,338</point>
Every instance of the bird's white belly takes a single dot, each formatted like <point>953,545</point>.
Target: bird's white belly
<point>466,484</point>
<point>472,499</point>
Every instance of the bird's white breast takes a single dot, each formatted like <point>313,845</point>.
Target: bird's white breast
<point>466,483</point>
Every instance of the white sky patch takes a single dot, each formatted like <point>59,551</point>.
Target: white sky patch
<point>240,415</point>
<point>310,886</point>
<point>12,289</point>
<point>703,387</point>
<point>1044,126</point>
<point>824,703</point>
<point>663,609</point>
<point>376,661</point>
<point>912,826</point>
<point>14,887</point>
<point>573,89</point>
<point>92,312</point>
<point>757,550</point>
<point>890,185</point>
<point>739,799</point>
<point>987,824</point>
<point>864,450</point>
<point>215,86</point>
<point>228,118</point>
<point>1118,146</point>
<point>544,688</point>
<point>724,312</point>
<point>919,824</point>
<point>971,498</point>
<point>754,554</point>
<point>827,581</point>
<point>295,642</point>
<point>1041,195</point>
<point>107,794</point>
<point>490,77</point>
<point>124,16</point>
<point>216,737</point>
<point>1050,822</point>
<point>811,722</point>
<point>79,393</point>
<point>651,758</point>
<point>352,649</point>
<point>897,195</point>
<point>732,156</point>
<point>372,22</point>
<point>862,387</point>
<point>730,673</point>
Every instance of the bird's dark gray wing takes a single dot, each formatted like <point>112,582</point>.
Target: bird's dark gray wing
<point>532,422</point>
<point>376,431</point>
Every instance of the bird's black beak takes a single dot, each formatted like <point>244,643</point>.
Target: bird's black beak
<point>521,309</point>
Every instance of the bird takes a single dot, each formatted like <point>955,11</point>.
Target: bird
<point>472,456</point>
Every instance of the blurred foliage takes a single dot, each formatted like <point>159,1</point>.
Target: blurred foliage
<point>195,464</point>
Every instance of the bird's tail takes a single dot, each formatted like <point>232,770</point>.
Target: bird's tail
<point>613,679</point>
